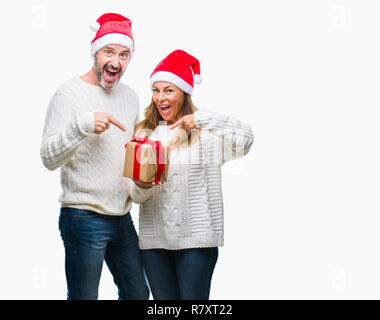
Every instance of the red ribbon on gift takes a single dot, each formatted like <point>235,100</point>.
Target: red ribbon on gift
<point>156,145</point>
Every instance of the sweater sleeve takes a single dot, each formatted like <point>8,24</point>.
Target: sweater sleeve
<point>63,131</point>
<point>138,194</point>
<point>236,136</point>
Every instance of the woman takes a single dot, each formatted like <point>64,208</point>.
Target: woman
<point>181,222</point>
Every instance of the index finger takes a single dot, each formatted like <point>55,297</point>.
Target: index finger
<point>179,122</point>
<point>116,123</point>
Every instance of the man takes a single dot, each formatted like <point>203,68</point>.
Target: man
<point>88,122</point>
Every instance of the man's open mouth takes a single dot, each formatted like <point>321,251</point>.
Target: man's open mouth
<point>111,75</point>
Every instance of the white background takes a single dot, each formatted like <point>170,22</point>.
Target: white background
<point>301,209</point>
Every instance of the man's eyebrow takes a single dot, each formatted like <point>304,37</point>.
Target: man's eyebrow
<point>114,50</point>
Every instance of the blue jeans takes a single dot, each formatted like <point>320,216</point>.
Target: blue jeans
<point>89,238</point>
<point>180,274</point>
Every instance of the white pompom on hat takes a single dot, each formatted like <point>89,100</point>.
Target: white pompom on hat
<point>180,69</point>
<point>95,26</point>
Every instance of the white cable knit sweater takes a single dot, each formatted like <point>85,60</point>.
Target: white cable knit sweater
<point>187,210</point>
<point>91,164</point>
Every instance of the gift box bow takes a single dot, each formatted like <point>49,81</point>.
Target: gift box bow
<point>160,151</point>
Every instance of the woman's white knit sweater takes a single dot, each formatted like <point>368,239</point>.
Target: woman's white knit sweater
<point>187,210</point>
<point>91,164</point>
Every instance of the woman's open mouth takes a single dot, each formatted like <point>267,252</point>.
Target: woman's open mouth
<point>165,109</point>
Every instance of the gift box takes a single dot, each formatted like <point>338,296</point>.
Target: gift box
<point>146,160</point>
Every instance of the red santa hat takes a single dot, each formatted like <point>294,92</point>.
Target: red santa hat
<point>112,28</point>
<point>180,69</point>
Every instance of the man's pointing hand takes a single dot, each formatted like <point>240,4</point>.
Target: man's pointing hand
<point>102,122</point>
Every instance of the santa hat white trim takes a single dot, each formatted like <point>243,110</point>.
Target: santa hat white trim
<point>172,78</point>
<point>112,38</point>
